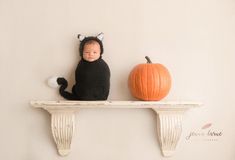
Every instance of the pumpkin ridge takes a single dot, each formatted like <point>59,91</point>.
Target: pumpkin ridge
<point>139,89</point>
<point>154,84</point>
<point>165,81</point>
<point>142,84</point>
<point>134,85</point>
<point>154,89</point>
<point>150,80</point>
<point>159,81</point>
<point>147,81</point>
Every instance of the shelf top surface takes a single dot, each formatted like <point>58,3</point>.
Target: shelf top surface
<point>114,104</point>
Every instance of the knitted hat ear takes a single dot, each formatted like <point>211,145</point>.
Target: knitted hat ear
<point>81,37</point>
<point>100,36</point>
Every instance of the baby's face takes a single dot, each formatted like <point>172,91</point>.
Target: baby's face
<point>91,52</point>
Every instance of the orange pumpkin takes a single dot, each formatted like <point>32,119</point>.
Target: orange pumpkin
<point>149,81</point>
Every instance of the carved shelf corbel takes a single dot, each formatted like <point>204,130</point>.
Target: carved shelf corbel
<point>169,119</point>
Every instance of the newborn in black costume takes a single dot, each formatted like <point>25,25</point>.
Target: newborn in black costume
<point>92,74</point>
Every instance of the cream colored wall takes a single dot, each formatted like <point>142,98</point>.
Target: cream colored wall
<point>193,38</point>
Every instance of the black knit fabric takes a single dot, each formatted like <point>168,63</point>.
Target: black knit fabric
<point>92,78</point>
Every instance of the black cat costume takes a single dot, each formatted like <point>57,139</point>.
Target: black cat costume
<point>92,78</point>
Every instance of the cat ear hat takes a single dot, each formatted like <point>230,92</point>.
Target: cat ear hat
<point>83,40</point>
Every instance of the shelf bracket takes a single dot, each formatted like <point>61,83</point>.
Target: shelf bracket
<point>169,129</point>
<point>62,127</point>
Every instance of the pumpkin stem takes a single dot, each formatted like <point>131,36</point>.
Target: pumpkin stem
<point>148,59</point>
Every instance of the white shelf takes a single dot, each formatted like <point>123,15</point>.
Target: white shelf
<point>169,119</point>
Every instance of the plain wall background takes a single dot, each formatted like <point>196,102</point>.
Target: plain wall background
<point>194,39</point>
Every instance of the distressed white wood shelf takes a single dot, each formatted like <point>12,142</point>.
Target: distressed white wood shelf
<point>169,119</point>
